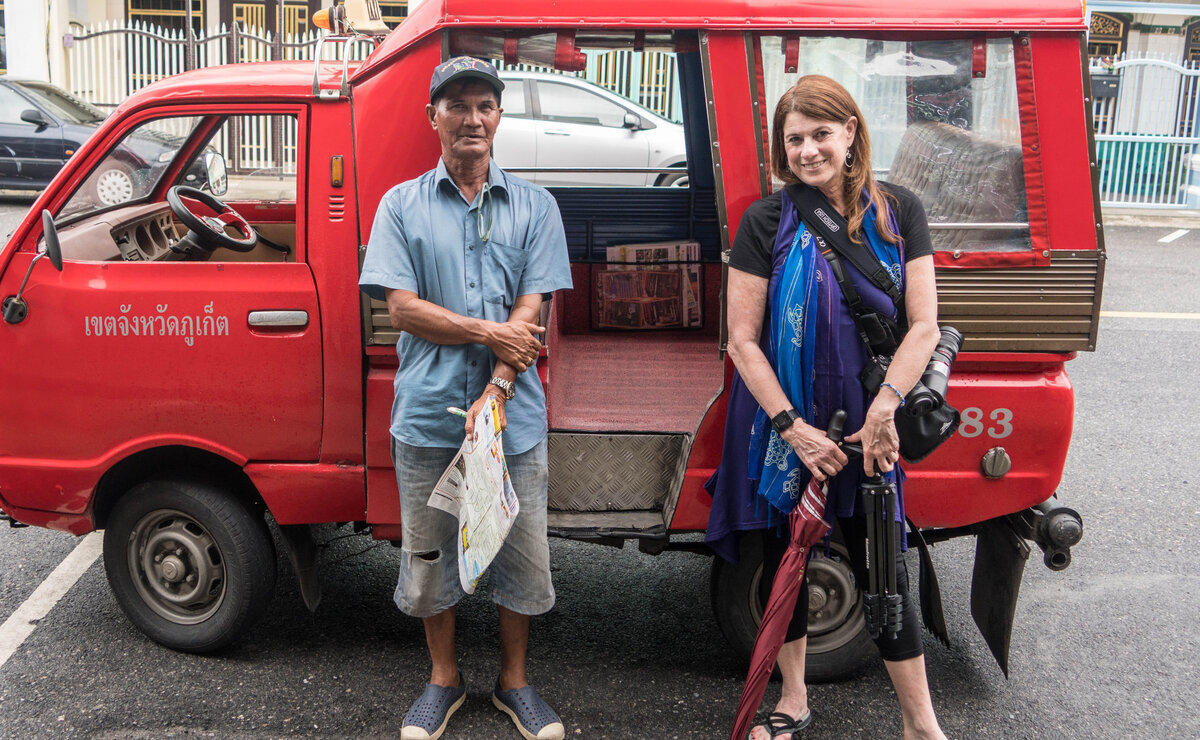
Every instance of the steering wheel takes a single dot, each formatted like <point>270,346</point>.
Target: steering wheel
<point>209,231</point>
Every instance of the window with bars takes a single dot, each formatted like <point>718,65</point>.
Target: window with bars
<point>394,11</point>
<point>170,14</point>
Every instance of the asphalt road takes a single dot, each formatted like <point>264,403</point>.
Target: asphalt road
<point>1107,649</point>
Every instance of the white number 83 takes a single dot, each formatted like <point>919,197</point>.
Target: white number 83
<point>973,425</point>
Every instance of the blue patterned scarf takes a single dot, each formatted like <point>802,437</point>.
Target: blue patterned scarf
<point>792,323</point>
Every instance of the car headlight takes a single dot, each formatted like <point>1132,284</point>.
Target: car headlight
<point>168,155</point>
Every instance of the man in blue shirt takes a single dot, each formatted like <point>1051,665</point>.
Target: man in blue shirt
<point>465,255</point>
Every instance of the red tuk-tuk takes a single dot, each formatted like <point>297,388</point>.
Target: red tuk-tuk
<point>173,384</point>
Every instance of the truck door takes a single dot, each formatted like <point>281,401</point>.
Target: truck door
<point>215,349</point>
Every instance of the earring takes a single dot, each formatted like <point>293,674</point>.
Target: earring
<point>849,159</point>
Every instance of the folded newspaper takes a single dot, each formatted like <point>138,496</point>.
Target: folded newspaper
<point>476,489</point>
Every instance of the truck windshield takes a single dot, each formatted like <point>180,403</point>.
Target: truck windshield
<point>132,168</point>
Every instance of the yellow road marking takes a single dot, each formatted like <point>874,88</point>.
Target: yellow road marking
<point>1147,315</point>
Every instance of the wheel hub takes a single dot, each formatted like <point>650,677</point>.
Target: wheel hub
<point>173,569</point>
<point>177,566</point>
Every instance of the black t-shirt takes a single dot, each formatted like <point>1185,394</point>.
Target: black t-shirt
<point>755,238</point>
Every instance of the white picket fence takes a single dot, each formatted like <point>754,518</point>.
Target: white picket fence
<point>1147,121</point>
<point>109,61</point>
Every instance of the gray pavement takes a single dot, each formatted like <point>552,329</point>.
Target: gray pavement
<point>1106,649</point>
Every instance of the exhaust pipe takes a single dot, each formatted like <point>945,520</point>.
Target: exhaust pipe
<point>1058,529</point>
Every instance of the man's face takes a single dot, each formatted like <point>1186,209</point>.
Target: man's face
<point>465,119</point>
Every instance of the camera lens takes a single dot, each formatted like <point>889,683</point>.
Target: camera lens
<point>930,392</point>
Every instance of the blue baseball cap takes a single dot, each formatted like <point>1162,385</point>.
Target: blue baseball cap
<point>460,68</point>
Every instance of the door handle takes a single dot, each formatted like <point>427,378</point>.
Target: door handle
<point>278,318</point>
<point>556,132</point>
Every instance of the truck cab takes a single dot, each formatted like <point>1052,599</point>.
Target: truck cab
<point>203,367</point>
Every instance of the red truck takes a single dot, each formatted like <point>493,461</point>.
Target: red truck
<point>187,373</point>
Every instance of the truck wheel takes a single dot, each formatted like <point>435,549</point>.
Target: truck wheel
<point>190,565</point>
<point>838,642</point>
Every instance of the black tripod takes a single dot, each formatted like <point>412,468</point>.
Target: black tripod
<point>881,600</point>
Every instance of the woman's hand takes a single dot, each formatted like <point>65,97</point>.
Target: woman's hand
<point>880,443</point>
<point>818,452</point>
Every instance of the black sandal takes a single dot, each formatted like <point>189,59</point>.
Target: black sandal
<point>784,725</point>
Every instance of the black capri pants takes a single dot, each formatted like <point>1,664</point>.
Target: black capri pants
<point>907,644</point>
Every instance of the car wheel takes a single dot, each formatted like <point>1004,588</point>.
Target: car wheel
<point>192,566</point>
<point>114,184</point>
<point>838,642</point>
<point>679,180</point>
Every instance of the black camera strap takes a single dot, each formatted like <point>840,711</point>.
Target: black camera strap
<point>823,219</point>
<point>833,243</point>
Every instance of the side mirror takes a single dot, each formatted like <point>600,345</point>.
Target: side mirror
<point>36,117</point>
<point>50,234</point>
<point>218,179</point>
<point>14,309</point>
<point>632,121</point>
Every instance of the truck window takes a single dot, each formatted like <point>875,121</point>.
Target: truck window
<point>943,122</point>
<point>247,162</point>
<point>260,158</point>
<point>132,168</point>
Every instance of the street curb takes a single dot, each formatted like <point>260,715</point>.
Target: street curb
<point>1150,218</point>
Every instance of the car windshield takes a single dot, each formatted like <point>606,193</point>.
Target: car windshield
<point>63,105</point>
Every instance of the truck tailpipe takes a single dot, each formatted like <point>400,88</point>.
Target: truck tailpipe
<point>1056,531</point>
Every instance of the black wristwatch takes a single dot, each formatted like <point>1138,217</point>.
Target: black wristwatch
<point>784,420</point>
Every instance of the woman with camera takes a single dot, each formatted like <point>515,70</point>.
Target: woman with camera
<point>801,354</point>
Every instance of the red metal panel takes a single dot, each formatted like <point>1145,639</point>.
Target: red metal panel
<point>333,254</point>
<point>393,140</point>
<point>311,494</point>
<point>383,501</point>
<point>64,485</point>
<point>1063,126</point>
<point>1030,414</point>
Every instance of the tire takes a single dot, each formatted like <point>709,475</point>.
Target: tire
<point>113,184</point>
<point>191,566</point>
<point>674,180</point>
<point>838,643</point>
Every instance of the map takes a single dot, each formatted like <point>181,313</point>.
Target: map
<point>476,489</point>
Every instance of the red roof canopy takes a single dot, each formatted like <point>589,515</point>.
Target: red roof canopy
<point>801,15</point>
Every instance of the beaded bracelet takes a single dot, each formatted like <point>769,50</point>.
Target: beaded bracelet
<point>894,390</point>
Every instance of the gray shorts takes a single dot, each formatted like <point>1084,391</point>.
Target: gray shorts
<point>519,576</point>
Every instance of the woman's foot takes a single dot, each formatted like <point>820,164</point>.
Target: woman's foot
<point>795,709</point>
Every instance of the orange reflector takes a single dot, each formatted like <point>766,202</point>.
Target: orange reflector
<point>335,170</point>
<point>320,19</point>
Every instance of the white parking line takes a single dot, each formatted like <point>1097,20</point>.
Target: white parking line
<point>1147,315</point>
<point>23,621</point>
<point>1173,236</point>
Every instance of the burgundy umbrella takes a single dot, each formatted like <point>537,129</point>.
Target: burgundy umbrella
<point>807,522</point>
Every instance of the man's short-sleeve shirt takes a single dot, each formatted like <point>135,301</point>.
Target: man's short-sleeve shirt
<point>427,239</point>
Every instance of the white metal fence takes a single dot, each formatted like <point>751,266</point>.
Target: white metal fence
<point>1146,111</point>
<point>109,61</point>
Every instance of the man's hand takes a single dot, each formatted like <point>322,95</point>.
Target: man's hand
<point>490,391</point>
<point>514,343</point>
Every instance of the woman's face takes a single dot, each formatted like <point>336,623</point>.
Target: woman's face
<point>816,150</point>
